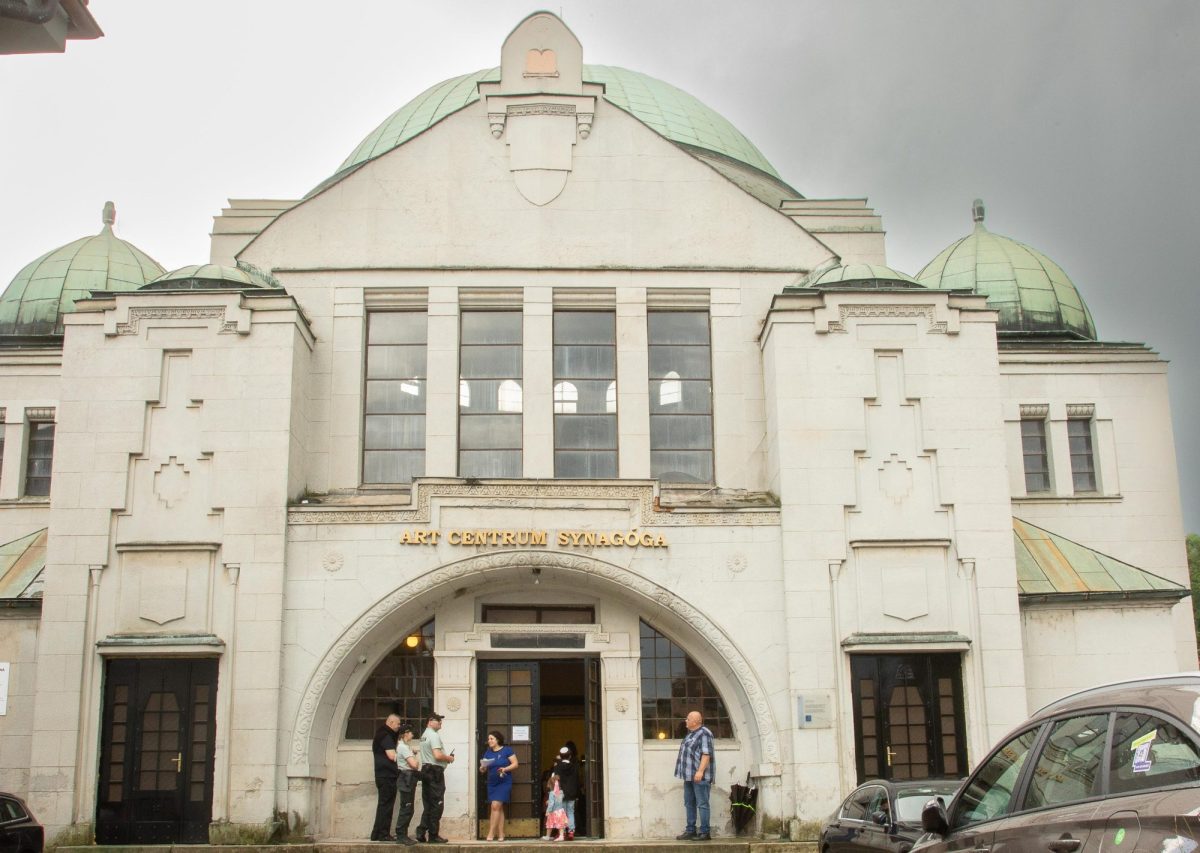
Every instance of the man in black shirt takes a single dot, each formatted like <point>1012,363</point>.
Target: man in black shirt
<point>384,749</point>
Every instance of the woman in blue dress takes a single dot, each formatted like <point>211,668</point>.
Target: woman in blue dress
<point>498,762</point>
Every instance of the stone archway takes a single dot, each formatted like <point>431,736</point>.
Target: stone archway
<point>315,712</point>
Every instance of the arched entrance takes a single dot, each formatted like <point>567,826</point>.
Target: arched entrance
<point>319,715</point>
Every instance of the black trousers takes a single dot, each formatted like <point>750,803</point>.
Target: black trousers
<point>406,789</point>
<point>386,786</point>
<point>433,796</point>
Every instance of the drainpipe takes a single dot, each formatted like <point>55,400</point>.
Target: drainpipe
<point>35,12</point>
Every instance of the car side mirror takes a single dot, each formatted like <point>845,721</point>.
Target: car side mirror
<point>880,818</point>
<point>934,818</point>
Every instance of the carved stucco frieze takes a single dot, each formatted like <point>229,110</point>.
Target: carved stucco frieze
<point>848,312</point>
<point>132,326</point>
<point>643,494</point>
<point>454,573</point>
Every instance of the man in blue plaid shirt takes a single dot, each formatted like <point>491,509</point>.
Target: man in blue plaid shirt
<point>696,766</point>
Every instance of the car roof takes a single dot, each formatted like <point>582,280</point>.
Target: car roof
<point>1176,693</point>
<point>907,784</point>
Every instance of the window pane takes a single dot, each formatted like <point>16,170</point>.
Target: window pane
<point>585,432</point>
<point>401,684</point>
<point>680,362</point>
<point>479,432</point>
<point>491,327</point>
<point>1083,465</point>
<point>678,327</point>
<point>396,362</point>
<point>584,464</point>
<point>1068,768</point>
<point>1149,752</point>
<point>681,432</point>
<point>664,719</point>
<point>585,327</point>
<point>496,362</point>
<point>393,466</point>
<point>584,397</point>
<point>395,432</point>
<point>489,463</point>
<point>674,396</point>
<point>1037,463</point>
<point>482,396</point>
<point>396,327</point>
<point>585,362</point>
<point>990,793</point>
<point>682,466</point>
<point>395,396</point>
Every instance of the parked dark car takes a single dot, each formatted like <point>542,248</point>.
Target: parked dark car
<point>19,830</point>
<point>1111,768</point>
<point>882,815</point>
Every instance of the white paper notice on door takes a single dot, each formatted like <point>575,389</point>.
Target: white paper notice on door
<point>4,666</point>
<point>520,734</point>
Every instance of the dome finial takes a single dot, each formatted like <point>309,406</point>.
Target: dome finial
<point>109,215</point>
<point>977,211</point>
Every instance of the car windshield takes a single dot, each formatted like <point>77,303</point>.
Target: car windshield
<point>910,801</point>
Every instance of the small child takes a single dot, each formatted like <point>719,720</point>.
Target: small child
<point>556,811</point>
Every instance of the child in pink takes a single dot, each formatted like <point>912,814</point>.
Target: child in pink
<point>556,811</point>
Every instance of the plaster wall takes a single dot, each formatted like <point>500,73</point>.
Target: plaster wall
<point>18,647</point>
<point>1071,648</point>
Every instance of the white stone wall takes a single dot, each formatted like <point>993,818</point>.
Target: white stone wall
<point>1072,648</point>
<point>18,647</point>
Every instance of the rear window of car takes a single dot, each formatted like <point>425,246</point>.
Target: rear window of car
<point>10,810</point>
<point>910,802</point>
<point>1148,752</point>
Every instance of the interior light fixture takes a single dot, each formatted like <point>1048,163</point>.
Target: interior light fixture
<point>412,641</point>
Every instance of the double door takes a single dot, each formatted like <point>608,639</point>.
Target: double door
<point>908,716</point>
<point>516,700</point>
<point>156,751</point>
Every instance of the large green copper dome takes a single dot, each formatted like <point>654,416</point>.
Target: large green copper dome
<point>47,288</point>
<point>1031,293</point>
<point>671,112</point>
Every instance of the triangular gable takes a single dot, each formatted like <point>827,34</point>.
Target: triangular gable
<point>21,565</point>
<point>1053,568</point>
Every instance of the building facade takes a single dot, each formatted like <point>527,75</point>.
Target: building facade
<point>557,411</point>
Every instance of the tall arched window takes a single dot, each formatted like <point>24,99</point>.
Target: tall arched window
<point>673,685</point>
<point>401,684</point>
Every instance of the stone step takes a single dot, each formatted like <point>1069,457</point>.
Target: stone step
<point>717,845</point>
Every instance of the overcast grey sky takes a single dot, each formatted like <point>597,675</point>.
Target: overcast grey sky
<point>1077,123</point>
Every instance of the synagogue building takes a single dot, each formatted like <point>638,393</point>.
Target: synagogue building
<point>558,411</point>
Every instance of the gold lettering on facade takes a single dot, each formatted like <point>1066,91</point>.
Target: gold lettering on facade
<point>536,538</point>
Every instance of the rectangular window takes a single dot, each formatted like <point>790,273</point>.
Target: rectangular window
<point>585,394</point>
<point>394,416</point>
<point>1037,459</point>
<point>40,457</point>
<point>490,394</point>
<point>681,427</point>
<point>1083,462</point>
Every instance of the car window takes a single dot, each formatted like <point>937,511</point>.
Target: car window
<point>855,807</point>
<point>989,792</point>
<point>879,804</point>
<point>1069,766</point>
<point>910,803</point>
<point>1148,752</point>
<point>10,810</point>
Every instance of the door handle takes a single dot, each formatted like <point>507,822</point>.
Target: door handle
<point>178,759</point>
<point>888,749</point>
<point>1066,844</point>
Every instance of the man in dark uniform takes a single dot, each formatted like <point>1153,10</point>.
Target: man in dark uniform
<point>383,747</point>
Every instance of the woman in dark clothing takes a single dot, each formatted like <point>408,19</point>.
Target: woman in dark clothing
<point>567,770</point>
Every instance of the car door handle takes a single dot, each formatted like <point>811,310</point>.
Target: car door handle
<point>1066,844</point>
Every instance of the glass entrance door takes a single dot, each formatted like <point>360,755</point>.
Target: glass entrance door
<point>908,716</point>
<point>509,703</point>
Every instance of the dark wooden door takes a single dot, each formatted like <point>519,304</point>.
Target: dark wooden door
<point>593,769</point>
<point>908,716</point>
<point>509,703</point>
<point>156,752</point>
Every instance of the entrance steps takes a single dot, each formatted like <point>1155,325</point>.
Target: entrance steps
<point>717,845</point>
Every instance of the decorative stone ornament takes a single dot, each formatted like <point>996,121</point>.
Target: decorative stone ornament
<point>541,107</point>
